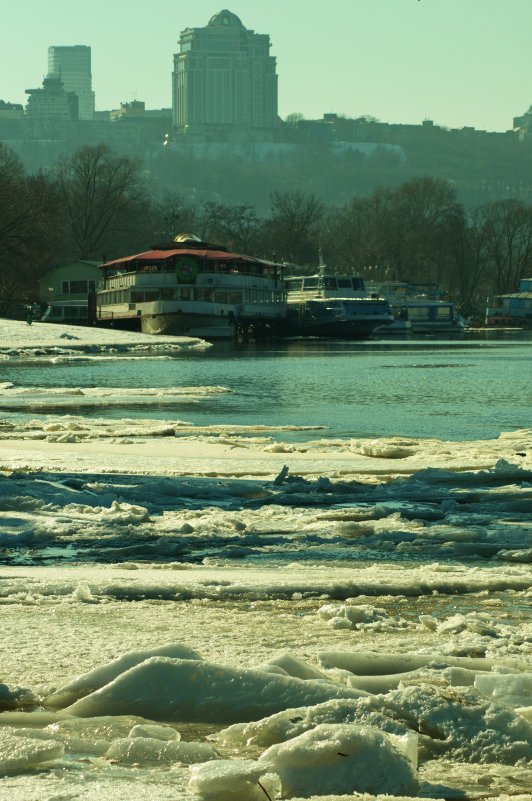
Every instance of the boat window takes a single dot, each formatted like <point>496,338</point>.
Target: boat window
<point>358,283</point>
<point>235,297</point>
<point>344,283</point>
<point>294,283</point>
<point>443,313</point>
<point>221,297</point>
<point>184,293</point>
<point>76,287</point>
<point>330,282</point>
<point>310,283</point>
<point>418,312</point>
<point>203,293</point>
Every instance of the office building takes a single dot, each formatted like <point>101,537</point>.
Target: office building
<point>72,65</point>
<point>224,81</point>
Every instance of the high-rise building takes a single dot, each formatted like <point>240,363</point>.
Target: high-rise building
<point>72,65</point>
<point>224,80</point>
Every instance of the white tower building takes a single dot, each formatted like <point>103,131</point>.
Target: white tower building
<point>224,79</point>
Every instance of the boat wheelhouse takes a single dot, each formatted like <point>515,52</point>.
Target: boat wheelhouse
<point>336,306</point>
<point>191,288</point>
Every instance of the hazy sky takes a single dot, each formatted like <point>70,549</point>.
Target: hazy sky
<point>458,62</point>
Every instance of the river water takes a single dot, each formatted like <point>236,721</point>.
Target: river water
<point>454,390</point>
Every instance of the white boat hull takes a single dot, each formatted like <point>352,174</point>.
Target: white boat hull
<point>204,326</point>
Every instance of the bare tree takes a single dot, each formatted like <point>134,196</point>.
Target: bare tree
<point>400,234</point>
<point>237,227</point>
<point>468,269</point>
<point>507,234</point>
<point>293,229</point>
<point>172,215</point>
<point>29,230</point>
<point>419,223</point>
<point>100,193</point>
<point>356,235</point>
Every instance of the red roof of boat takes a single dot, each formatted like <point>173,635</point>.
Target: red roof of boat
<point>162,255</point>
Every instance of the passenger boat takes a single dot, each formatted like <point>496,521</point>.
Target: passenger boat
<point>192,288</point>
<point>328,305</point>
<point>429,316</point>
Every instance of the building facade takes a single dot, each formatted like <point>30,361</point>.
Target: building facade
<point>72,65</point>
<point>523,124</point>
<point>224,81</point>
<point>50,102</point>
<point>64,291</point>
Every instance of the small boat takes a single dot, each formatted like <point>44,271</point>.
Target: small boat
<point>332,306</point>
<point>419,312</point>
<point>192,288</point>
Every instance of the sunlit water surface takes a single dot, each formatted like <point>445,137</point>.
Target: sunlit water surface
<point>465,389</point>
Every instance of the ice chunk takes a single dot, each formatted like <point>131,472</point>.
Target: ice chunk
<point>293,722</point>
<point>383,684</point>
<point>23,748</point>
<point>83,593</point>
<point>15,697</point>
<point>186,690</point>
<point>350,616</point>
<point>342,759</point>
<point>234,780</point>
<point>376,664</point>
<point>455,721</point>
<point>94,735</point>
<point>511,689</point>
<point>150,751</point>
<point>100,676</point>
<point>293,666</point>
<point>525,712</point>
<point>155,731</point>
<point>381,449</point>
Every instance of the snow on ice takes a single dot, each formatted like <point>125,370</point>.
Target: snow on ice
<point>220,612</point>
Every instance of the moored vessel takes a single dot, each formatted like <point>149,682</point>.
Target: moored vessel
<point>332,306</point>
<point>419,309</point>
<point>193,288</point>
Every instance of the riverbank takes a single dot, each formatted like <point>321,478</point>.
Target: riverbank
<point>20,340</point>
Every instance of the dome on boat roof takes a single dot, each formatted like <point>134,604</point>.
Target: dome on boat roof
<point>225,17</point>
<point>181,238</point>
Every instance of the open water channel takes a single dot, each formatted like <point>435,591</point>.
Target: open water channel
<point>456,390</point>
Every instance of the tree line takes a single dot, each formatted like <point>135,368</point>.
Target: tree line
<point>98,205</point>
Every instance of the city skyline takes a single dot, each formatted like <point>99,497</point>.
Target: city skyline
<point>398,60</point>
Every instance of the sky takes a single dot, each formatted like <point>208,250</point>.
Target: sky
<point>456,62</point>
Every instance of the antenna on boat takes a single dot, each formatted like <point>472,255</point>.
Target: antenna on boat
<point>321,263</point>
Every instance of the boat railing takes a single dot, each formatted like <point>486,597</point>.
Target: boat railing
<point>125,280</point>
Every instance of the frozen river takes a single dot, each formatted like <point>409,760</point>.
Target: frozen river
<point>286,572</point>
